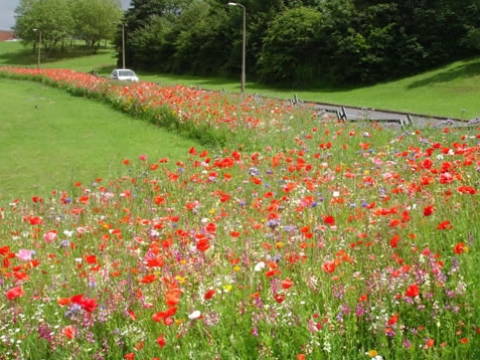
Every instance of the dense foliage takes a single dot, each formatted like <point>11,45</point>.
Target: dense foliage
<point>59,20</point>
<point>301,42</point>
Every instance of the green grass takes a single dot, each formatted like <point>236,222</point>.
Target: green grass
<point>49,139</point>
<point>451,91</point>
<point>74,57</point>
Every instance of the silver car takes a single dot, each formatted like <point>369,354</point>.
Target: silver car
<point>124,75</point>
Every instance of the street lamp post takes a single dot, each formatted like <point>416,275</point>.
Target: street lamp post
<point>244,41</point>
<point>39,47</point>
<point>123,44</point>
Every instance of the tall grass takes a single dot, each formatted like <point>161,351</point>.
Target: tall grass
<point>329,241</point>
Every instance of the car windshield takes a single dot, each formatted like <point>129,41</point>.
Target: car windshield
<point>126,73</point>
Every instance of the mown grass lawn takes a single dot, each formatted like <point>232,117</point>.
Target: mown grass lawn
<point>50,139</point>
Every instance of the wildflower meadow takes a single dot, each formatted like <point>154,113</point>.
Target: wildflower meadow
<point>288,235</point>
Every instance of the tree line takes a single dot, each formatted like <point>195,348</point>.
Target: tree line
<point>58,20</point>
<point>289,42</point>
<point>302,42</point>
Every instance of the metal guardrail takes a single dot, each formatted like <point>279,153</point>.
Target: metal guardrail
<point>400,119</point>
<point>341,115</point>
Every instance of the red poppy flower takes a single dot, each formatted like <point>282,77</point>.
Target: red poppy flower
<point>428,210</point>
<point>255,180</point>
<point>427,163</point>
<point>412,291</point>
<point>209,294</point>
<point>211,228</point>
<point>446,178</point>
<point>172,297</point>
<point>157,317</point>
<point>20,275</point>
<point>203,245</point>
<point>37,199</point>
<point>158,200</point>
<point>329,267</point>
<point>89,305</point>
<point>394,241</point>
<point>393,320</point>
<point>132,314</point>
<point>272,272</point>
<point>445,225</point>
<point>287,283</point>
<point>69,331</point>
<point>429,343</point>
<point>36,220</point>
<point>77,299</point>
<point>91,259</point>
<point>161,341</point>
<point>459,248</point>
<point>329,220</point>
<point>466,190</point>
<point>147,279</point>
<point>63,301</point>
<point>394,222</point>
<point>4,250</point>
<point>14,293</point>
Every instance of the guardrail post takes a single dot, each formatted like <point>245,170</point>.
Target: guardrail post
<point>342,114</point>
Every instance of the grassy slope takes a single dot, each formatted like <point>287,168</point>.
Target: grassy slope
<point>49,139</point>
<point>451,91</point>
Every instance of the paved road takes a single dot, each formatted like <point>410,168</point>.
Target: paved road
<point>399,119</point>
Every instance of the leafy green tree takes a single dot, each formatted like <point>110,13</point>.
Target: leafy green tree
<point>470,13</point>
<point>374,40</point>
<point>52,17</point>
<point>95,19</point>
<point>202,40</point>
<point>363,44</point>
<point>292,50</point>
<point>436,26</point>
<point>143,16</point>
<point>150,44</point>
<point>141,12</point>
<point>24,20</point>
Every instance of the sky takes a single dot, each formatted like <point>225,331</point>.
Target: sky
<point>7,9</point>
